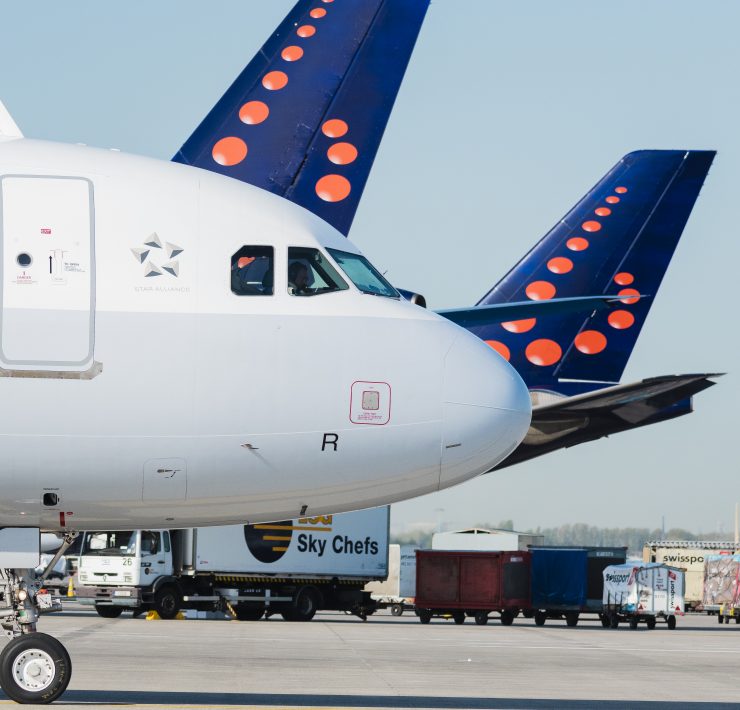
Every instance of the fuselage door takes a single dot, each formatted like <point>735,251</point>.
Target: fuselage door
<point>48,279</point>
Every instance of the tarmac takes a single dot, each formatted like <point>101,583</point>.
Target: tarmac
<point>337,661</point>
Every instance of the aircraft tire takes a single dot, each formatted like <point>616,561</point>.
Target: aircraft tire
<point>107,611</point>
<point>34,668</point>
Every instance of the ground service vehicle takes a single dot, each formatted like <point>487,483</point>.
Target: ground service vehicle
<point>722,587</point>
<point>398,591</point>
<point>461,584</point>
<point>645,591</point>
<point>567,581</point>
<point>292,568</point>
<point>689,555</point>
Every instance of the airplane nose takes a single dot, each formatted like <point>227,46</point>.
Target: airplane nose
<point>487,410</point>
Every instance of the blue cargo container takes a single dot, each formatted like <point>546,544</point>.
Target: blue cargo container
<point>568,582</point>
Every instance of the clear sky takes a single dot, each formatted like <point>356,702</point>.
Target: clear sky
<point>509,112</point>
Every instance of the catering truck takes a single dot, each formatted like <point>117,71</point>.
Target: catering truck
<point>292,568</point>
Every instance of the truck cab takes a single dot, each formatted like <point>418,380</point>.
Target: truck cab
<point>128,569</point>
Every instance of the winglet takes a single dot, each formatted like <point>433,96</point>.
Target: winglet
<point>8,127</point>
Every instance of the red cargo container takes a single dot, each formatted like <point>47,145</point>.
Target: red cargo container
<point>475,584</point>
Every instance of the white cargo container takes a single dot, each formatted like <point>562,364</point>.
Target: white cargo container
<point>399,589</point>
<point>643,592</point>
<point>292,567</point>
<point>689,555</point>
<point>485,540</point>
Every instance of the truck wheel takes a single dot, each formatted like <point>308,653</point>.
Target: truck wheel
<point>304,606</point>
<point>34,668</point>
<point>737,619</point>
<point>108,611</point>
<point>613,621</point>
<point>720,619</point>
<point>604,620</point>
<point>507,617</point>
<point>671,622</point>
<point>571,618</point>
<point>245,612</point>
<point>634,621</point>
<point>425,616</point>
<point>167,602</point>
<point>540,617</point>
<point>481,618</point>
<point>651,622</point>
<point>459,617</point>
<point>397,609</point>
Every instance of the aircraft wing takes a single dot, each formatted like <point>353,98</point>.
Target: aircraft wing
<point>568,421</point>
<point>305,118</point>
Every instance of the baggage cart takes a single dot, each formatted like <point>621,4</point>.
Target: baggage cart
<point>721,594</point>
<point>567,581</point>
<point>640,592</point>
<point>460,584</point>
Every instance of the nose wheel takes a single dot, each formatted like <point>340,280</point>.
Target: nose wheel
<point>34,668</point>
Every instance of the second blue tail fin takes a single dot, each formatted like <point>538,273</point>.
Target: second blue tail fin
<point>620,239</point>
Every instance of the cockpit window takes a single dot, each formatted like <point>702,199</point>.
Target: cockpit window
<point>252,271</point>
<point>310,273</point>
<point>363,274</point>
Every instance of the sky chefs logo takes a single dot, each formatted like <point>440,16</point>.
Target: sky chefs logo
<point>270,541</point>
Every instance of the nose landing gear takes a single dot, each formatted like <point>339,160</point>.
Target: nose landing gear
<point>34,667</point>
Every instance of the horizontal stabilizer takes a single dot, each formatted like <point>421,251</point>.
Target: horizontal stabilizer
<point>569,421</point>
<point>505,312</point>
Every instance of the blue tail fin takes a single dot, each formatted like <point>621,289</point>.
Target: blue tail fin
<point>306,116</point>
<point>618,239</point>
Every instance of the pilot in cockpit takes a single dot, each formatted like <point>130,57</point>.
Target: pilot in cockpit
<point>298,279</point>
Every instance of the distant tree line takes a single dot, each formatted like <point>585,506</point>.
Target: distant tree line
<point>577,534</point>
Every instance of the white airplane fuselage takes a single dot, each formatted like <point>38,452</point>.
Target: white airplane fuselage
<point>140,391</point>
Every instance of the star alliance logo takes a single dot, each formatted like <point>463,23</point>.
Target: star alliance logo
<point>168,252</point>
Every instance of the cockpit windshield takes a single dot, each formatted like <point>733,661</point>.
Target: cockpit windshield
<point>114,544</point>
<point>363,274</point>
<point>310,273</point>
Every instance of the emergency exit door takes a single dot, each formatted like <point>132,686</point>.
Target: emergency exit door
<point>48,280</point>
